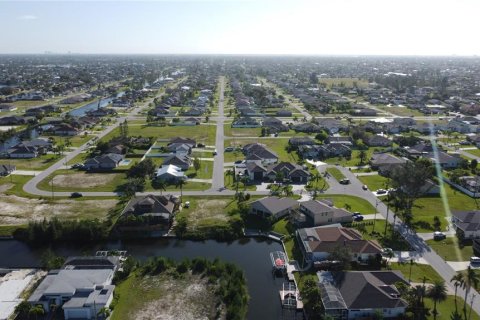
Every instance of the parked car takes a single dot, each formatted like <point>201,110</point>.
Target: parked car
<point>438,235</point>
<point>344,181</point>
<point>364,187</point>
<point>215,152</point>
<point>200,145</point>
<point>381,191</point>
<point>474,260</point>
<point>358,218</point>
<point>228,149</point>
<point>76,195</point>
<point>356,213</point>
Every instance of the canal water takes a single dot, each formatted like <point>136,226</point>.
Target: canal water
<point>250,254</point>
<point>81,111</point>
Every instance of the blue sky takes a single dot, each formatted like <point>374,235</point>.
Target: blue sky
<point>393,27</point>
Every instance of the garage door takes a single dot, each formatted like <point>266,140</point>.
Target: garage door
<point>76,314</point>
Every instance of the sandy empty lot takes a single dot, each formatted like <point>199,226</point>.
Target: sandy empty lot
<point>17,210</point>
<point>208,209</point>
<point>83,180</point>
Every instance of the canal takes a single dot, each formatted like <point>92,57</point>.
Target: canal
<point>251,254</point>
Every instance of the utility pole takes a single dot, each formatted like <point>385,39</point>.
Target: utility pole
<point>375,216</point>
<point>52,187</point>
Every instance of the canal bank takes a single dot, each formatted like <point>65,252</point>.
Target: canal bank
<point>250,254</point>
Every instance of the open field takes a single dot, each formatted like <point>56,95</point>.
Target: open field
<point>346,82</point>
<point>450,250</point>
<point>202,133</point>
<point>165,297</point>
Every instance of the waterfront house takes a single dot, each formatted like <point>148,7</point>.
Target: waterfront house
<point>318,243</point>
<point>273,207</point>
<point>362,294</point>
<point>81,293</point>
<point>158,210</point>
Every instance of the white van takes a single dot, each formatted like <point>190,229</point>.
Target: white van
<point>474,260</point>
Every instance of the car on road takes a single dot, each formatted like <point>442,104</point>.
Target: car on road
<point>76,195</point>
<point>438,235</point>
<point>345,181</point>
<point>215,152</point>
<point>364,187</point>
<point>358,218</point>
<point>381,191</point>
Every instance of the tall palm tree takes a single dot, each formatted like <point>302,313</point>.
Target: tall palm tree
<point>457,280</point>
<point>286,190</point>
<point>230,173</point>
<point>244,182</point>
<point>438,293</point>
<point>179,184</point>
<point>316,177</point>
<point>470,278</point>
<point>161,184</point>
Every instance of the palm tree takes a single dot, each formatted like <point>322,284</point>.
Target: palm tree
<point>457,280</point>
<point>160,184</point>
<point>244,182</point>
<point>37,311</point>
<point>180,183</point>
<point>470,278</point>
<point>438,293</point>
<point>286,190</point>
<point>316,177</point>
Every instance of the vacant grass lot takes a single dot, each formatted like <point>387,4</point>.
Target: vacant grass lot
<point>241,132</point>
<point>400,111</point>
<point>475,152</point>
<point>426,208</point>
<point>450,250</point>
<point>205,171</point>
<point>202,133</point>
<point>73,180</point>
<point>39,163</point>
<point>76,141</point>
<point>374,182</point>
<point>445,308</point>
<point>351,202</point>
<point>354,159</point>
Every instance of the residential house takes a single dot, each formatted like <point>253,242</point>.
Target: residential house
<point>378,141</point>
<point>190,142</point>
<point>106,161</point>
<point>301,141</point>
<point>7,108</point>
<point>284,113</point>
<point>274,207</point>
<point>385,162</point>
<point>318,243</point>
<point>467,223</point>
<point>180,148</point>
<point>307,127</point>
<point>319,213</point>
<point>6,169</point>
<point>332,126</point>
<point>288,171</point>
<point>12,120</point>
<point>257,152</point>
<point>363,112</point>
<point>274,125</point>
<point>80,293</point>
<point>159,209</point>
<point>170,174</point>
<point>93,262</point>
<point>362,294</point>
<point>179,160</point>
<point>246,122</point>
<point>23,152</point>
<point>65,129</point>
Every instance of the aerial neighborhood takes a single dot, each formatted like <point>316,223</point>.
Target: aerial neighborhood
<point>255,187</point>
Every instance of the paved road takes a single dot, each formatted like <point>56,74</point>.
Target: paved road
<point>217,178</point>
<point>416,242</point>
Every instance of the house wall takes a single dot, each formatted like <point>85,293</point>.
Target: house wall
<point>23,155</point>
<point>365,313</point>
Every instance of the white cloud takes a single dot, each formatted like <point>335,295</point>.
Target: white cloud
<point>28,17</point>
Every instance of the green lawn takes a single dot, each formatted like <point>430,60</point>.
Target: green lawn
<point>418,271</point>
<point>336,173</point>
<point>205,171</point>
<point>400,111</point>
<point>39,163</point>
<point>355,203</point>
<point>202,133</point>
<point>190,186</point>
<point>354,159</point>
<point>230,184</point>
<point>76,141</point>
<point>450,250</point>
<point>445,308</point>
<point>426,208</point>
<point>374,182</point>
